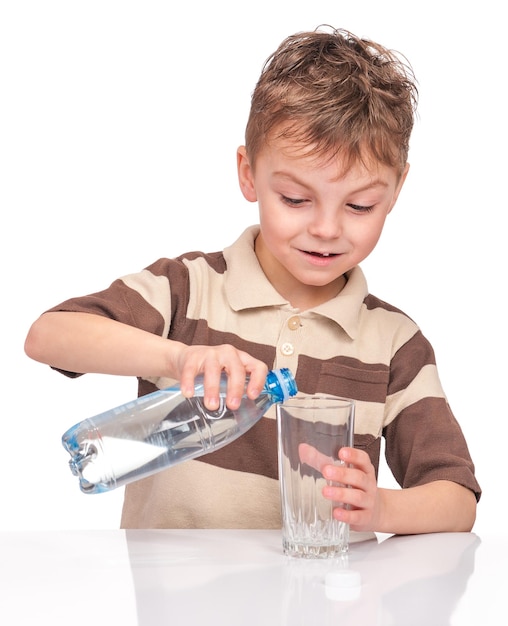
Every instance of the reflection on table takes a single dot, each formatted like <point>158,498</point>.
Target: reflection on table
<point>208,577</point>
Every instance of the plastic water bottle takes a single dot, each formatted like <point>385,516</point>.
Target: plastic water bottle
<point>161,429</point>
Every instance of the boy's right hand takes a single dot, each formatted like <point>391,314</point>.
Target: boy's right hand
<point>211,361</point>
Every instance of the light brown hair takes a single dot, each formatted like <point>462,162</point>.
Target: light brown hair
<point>335,93</point>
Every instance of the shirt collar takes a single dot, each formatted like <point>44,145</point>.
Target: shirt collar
<point>247,286</point>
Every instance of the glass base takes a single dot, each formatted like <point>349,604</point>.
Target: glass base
<point>313,551</point>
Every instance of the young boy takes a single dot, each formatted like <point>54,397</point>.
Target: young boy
<point>325,158</point>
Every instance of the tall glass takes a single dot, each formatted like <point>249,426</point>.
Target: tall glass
<point>311,431</point>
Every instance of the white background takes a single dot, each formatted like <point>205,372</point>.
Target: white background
<point>119,123</point>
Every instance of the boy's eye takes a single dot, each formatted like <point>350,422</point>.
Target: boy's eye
<point>292,201</point>
<point>360,208</point>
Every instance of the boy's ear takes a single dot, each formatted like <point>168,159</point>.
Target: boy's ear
<point>399,186</point>
<point>245,175</point>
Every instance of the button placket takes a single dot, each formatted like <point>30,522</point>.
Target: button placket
<point>287,344</point>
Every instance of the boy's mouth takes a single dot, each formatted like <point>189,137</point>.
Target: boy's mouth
<point>323,255</point>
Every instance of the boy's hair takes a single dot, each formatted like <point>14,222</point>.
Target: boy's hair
<point>334,93</point>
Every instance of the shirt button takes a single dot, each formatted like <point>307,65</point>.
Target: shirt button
<point>287,348</point>
<point>294,322</point>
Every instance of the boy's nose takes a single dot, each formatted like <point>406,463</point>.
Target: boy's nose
<point>326,224</point>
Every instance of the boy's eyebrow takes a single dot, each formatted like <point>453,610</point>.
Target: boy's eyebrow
<point>375,182</point>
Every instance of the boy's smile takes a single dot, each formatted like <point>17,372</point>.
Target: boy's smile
<point>316,222</point>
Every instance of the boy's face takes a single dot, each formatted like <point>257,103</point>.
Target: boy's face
<point>316,222</point>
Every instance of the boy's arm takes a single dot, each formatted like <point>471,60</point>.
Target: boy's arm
<point>88,343</point>
<point>85,342</point>
<point>438,506</point>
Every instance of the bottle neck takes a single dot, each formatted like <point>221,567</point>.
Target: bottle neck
<point>280,384</point>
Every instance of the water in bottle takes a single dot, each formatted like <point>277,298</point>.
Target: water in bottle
<point>161,429</point>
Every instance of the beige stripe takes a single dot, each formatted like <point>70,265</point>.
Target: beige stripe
<point>425,384</point>
<point>191,492</point>
<point>155,290</point>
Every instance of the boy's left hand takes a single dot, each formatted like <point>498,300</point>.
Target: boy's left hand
<point>355,487</point>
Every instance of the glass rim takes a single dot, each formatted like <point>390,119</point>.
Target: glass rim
<point>299,400</point>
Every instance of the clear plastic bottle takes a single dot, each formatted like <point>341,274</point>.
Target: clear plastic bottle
<point>161,429</point>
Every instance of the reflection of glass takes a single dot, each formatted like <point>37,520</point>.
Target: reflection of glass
<point>242,578</point>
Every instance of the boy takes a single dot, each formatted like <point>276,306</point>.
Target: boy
<point>325,158</point>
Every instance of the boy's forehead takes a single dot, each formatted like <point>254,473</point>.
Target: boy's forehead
<point>296,155</point>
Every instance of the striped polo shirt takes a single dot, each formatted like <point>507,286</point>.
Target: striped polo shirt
<point>354,346</point>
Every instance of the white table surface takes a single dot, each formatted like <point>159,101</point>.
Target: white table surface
<point>212,577</point>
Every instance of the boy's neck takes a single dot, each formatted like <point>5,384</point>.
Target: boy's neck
<point>311,297</point>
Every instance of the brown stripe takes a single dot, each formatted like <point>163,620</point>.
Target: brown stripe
<point>409,360</point>
<point>165,267</point>
<point>371,302</point>
<point>119,302</point>
<point>409,434</point>
<point>180,288</point>
<point>371,445</point>
<point>343,376</point>
<point>254,452</point>
<point>197,332</point>
<point>214,259</point>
